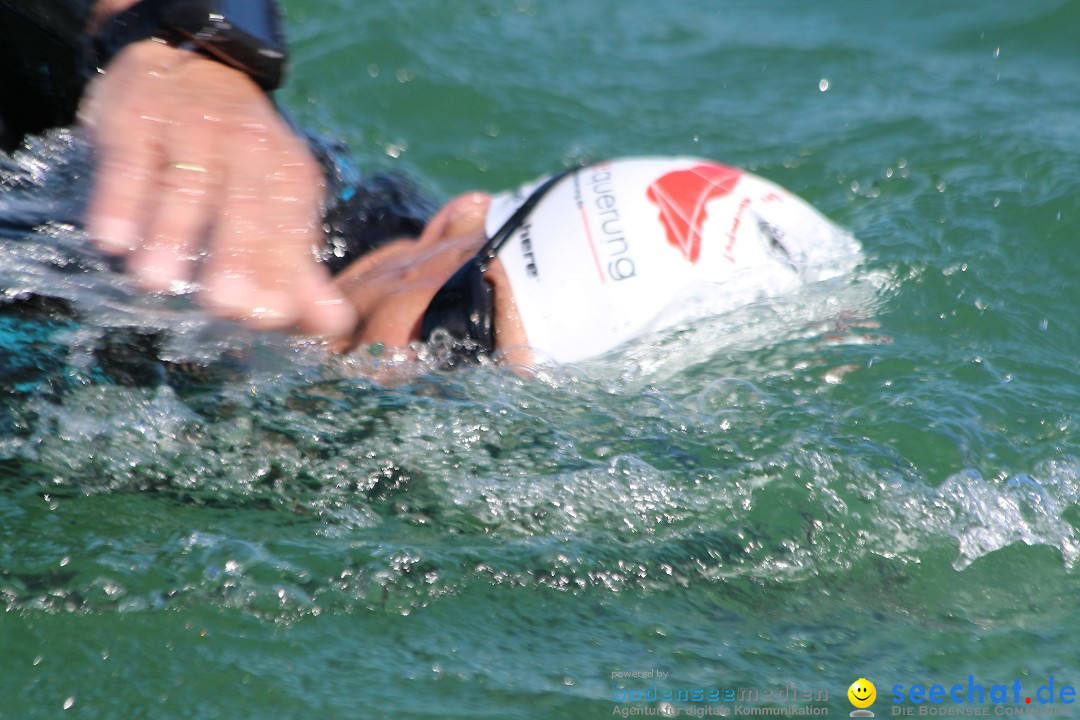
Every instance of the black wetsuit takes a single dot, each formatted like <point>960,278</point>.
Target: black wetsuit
<point>42,65</point>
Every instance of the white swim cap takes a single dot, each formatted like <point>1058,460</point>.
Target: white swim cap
<point>622,248</point>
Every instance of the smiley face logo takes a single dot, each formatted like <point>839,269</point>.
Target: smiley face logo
<point>862,693</point>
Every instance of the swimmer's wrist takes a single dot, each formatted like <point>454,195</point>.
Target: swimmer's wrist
<point>246,35</point>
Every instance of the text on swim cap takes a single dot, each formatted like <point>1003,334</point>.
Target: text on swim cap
<point>613,245</point>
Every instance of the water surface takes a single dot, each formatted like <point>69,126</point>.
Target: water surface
<point>877,478</point>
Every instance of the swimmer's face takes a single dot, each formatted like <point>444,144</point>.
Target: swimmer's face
<point>391,287</point>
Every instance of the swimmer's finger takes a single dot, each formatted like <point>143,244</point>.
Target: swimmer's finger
<point>296,190</point>
<point>128,162</point>
<point>324,311</point>
<point>125,112</point>
<point>251,262</point>
<point>262,268</point>
<point>186,200</point>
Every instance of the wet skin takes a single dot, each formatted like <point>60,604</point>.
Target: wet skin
<point>391,287</point>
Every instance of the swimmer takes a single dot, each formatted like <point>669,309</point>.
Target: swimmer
<point>565,270</point>
<point>575,265</point>
<point>569,268</point>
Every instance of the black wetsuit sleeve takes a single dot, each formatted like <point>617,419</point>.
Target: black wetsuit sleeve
<point>43,66</point>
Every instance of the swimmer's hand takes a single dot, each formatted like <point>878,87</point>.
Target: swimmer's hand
<point>194,160</point>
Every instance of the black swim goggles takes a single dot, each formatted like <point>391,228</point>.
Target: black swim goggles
<point>459,321</point>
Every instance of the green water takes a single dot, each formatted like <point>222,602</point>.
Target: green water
<point>878,478</point>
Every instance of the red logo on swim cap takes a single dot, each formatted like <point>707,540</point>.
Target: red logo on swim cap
<point>682,195</point>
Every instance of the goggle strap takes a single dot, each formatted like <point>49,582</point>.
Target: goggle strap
<point>491,248</point>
